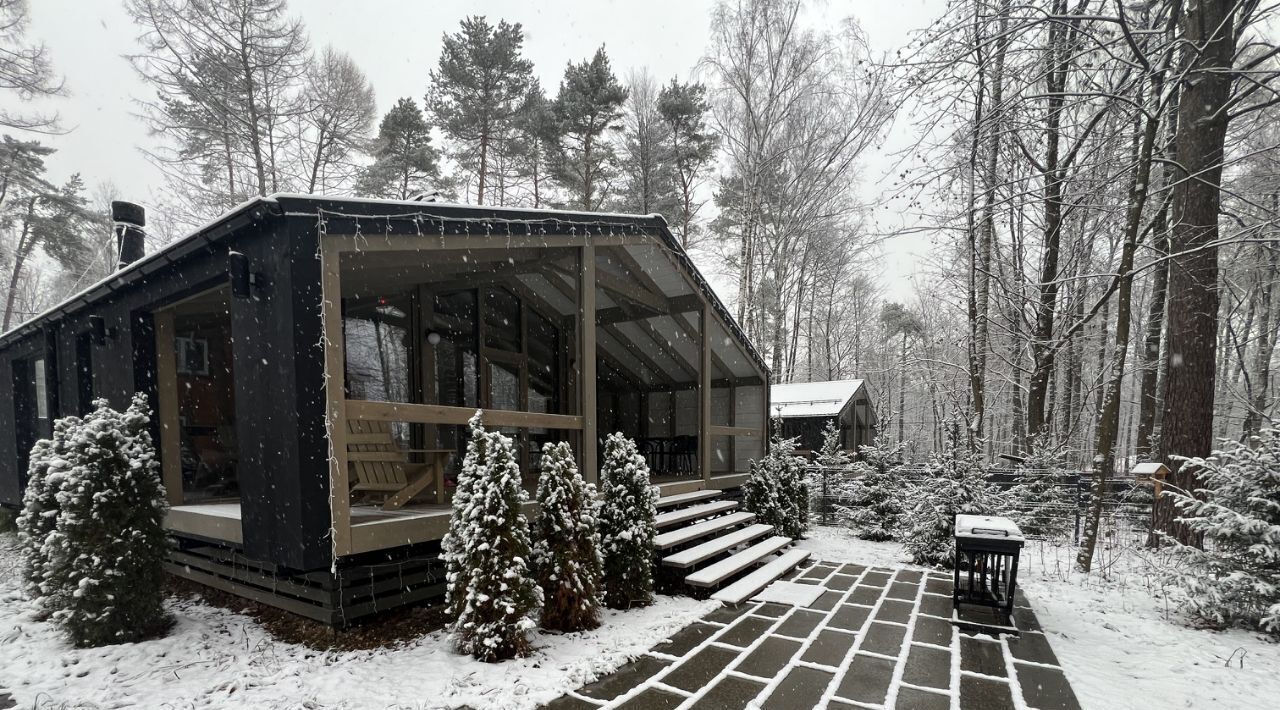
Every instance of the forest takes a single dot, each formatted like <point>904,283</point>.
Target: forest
<point>1096,181</point>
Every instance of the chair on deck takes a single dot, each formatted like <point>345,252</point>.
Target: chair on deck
<point>378,465</point>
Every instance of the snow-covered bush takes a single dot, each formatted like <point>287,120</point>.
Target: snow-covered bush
<point>1040,502</point>
<point>777,490</point>
<point>1235,580</point>
<point>628,507</point>
<point>39,517</point>
<point>491,593</point>
<point>875,505</point>
<point>103,560</point>
<point>954,484</point>
<point>567,551</point>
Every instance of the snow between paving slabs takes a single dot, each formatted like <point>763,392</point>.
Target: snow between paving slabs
<point>1112,636</point>
<point>217,659</point>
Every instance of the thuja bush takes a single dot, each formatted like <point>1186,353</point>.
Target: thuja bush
<point>490,590</point>
<point>875,507</point>
<point>1040,500</point>
<point>567,552</point>
<point>1235,579</point>
<point>92,527</point>
<point>628,508</point>
<point>776,489</point>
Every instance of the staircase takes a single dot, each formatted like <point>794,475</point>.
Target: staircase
<point>717,547</point>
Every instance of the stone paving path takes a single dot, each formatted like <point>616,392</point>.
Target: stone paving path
<point>875,638</point>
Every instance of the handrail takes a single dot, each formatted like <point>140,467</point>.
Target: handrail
<point>442,414</point>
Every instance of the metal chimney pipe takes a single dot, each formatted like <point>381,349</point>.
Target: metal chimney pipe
<point>128,221</point>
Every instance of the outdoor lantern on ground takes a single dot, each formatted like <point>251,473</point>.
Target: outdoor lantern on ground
<point>987,549</point>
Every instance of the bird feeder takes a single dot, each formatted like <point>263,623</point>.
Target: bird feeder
<point>987,551</point>
<point>1153,473</point>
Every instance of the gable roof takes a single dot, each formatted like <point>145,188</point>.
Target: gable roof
<point>812,399</point>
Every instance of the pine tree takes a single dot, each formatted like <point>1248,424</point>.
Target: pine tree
<point>1235,579</point>
<point>587,108</point>
<point>104,559</point>
<point>1039,502</point>
<point>876,509</point>
<point>777,490</point>
<point>491,592</point>
<point>405,162</point>
<point>684,109</point>
<point>478,89</point>
<point>955,484</point>
<point>627,513</point>
<point>534,141</point>
<point>567,552</point>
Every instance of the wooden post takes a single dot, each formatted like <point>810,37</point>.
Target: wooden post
<point>587,360</point>
<point>704,393</point>
<point>167,408</point>
<point>335,395</point>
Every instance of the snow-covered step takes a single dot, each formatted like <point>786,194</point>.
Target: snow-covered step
<point>729,566</point>
<point>665,520</point>
<point>715,546</point>
<point>749,585</point>
<point>687,498</point>
<point>698,530</point>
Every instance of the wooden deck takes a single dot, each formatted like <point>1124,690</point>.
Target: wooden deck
<point>371,527</point>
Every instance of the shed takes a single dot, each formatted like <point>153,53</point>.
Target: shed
<point>806,407</point>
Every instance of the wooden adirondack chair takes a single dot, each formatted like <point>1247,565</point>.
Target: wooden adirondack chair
<point>378,465</point>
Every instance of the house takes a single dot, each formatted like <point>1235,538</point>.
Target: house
<point>312,363</point>
<point>806,407</point>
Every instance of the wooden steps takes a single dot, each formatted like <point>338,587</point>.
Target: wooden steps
<point>724,569</point>
<point>751,584</point>
<point>690,533</point>
<point>687,498</point>
<point>717,545</point>
<point>682,515</point>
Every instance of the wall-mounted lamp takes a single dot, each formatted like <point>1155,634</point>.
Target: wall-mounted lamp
<point>241,278</point>
<point>99,330</point>
<point>433,338</point>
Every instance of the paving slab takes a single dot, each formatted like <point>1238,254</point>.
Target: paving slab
<point>912,699</point>
<point>862,594</point>
<point>840,582</point>
<point>982,656</point>
<point>625,678</point>
<point>935,605</point>
<point>867,680</point>
<point>695,672</point>
<point>928,667</point>
<point>771,656</point>
<point>932,630</point>
<point>827,601</point>
<point>1032,647</point>
<point>686,639</point>
<point>829,648</point>
<point>653,699</point>
<point>985,694</point>
<point>732,693</point>
<point>728,614</point>
<point>773,610</point>
<point>849,617</point>
<point>903,590</point>
<point>877,578</point>
<point>1046,688</point>
<point>894,610</point>
<point>852,569</point>
<point>933,585</point>
<point>885,639</point>
<point>746,631</point>
<point>564,702</point>
<point>799,624</point>
<point>802,688</point>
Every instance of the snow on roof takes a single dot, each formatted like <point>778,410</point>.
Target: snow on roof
<point>812,399</point>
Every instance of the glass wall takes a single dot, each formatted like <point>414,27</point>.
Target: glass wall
<point>202,351</point>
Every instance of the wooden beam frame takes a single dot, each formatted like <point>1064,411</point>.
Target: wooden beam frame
<point>587,360</point>
<point>704,394</point>
<point>167,406</point>
<point>335,387</point>
<point>443,414</point>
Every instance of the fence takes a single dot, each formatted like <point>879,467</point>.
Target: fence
<point>1126,504</point>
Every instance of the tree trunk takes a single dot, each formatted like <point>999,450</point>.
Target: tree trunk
<point>1207,25</point>
<point>26,241</point>
<point>1268,323</point>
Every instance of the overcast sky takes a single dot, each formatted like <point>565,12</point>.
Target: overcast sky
<point>396,43</point>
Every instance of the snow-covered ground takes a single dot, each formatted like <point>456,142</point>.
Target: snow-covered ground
<point>217,659</point>
<point>1121,642</point>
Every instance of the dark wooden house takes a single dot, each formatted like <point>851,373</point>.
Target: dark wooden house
<point>298,349</point>
<point>806,407</point>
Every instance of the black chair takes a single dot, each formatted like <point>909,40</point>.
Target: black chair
<point>684,452</point>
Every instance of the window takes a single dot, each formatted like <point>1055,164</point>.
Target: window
<point>192,356</point>
<point>41,393</point>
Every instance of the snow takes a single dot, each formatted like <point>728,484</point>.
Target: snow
<point>217,659</point>
<point>987,527</point>
<point>792,593</point>
<point>1121,642</point>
